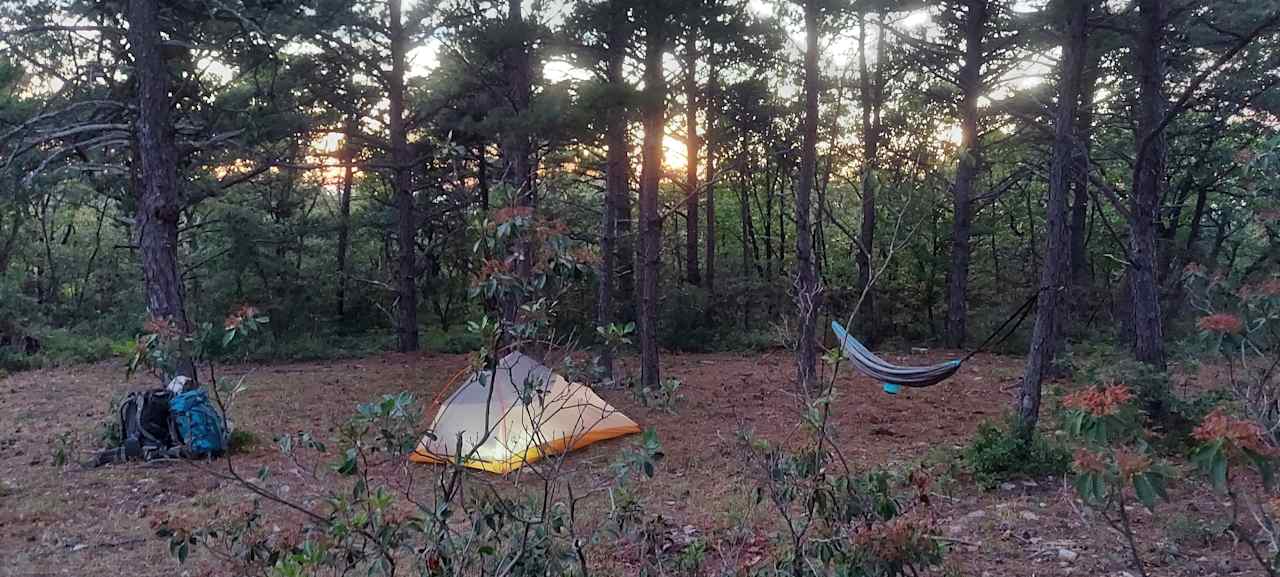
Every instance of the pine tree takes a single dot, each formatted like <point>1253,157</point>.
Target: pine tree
<point>1046,337</point>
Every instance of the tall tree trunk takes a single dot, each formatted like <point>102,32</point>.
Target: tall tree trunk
<point>159,206</point>
<point>517,170</point>
<point>1046,338</point>
<point>768,225</point>
<point>10,240</point>
<point>872,93</point>
<point>692,147</point>
<point>617,172</point>
<point>808,294</point>
<point>406,217</point>
<point>1148,184</point>
<point>966,171</point>
<point>653,112</point>
<point>709,276</point>
<point>344,213</point>
<point>625,251</point>
<point>744,216</point>
<point>1080,188</point>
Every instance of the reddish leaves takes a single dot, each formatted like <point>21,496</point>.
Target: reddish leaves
<point>1236,433</point>
<point>238,316</point>
<point>1221,323</point>
<point>1099,402</point>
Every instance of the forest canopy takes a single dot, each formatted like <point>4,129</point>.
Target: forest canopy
<point>719,172</point>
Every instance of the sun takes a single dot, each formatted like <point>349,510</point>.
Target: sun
<point>673,153</point>
<point>323,151</point>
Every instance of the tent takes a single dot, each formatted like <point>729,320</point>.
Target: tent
<point>503,419</point>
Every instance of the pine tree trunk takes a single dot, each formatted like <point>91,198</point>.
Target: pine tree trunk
<point>517,171</point>
<point>1080,190</point>
<point>406,217</point>
<point>692,148</point>
<point>344,214</point>
<point>625,252</point>
<point>744,218</point>
<point>10,240</point>
<point>159,206</point>
<point>653,112</point>
<point>709,275</point>
<point>768,227</point>
<point>807,293</point>
<point>871,95</point>
<point>617,172</point>
<point>966,171</point>
<point>1148,185</point>
<point>1046,337</point>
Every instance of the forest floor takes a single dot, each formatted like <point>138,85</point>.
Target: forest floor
<point>69,520</point>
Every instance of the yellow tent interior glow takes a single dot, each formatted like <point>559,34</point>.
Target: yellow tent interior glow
<point>501,420</point>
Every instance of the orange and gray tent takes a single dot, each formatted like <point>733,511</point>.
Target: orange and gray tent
<point>500,420</point>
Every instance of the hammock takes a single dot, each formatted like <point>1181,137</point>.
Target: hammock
<point>892,375</point>
<point>895,377</point>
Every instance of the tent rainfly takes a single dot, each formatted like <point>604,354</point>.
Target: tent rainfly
<point>500,420</point>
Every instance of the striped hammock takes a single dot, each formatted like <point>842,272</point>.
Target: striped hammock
<point>893,376</point>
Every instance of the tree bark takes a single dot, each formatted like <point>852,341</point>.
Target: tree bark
<point>517,169</point>
<point>625,251</point>
<point>807,293</point>
<point>709,273</point>
<point>693,146</point>
<point>744,216</point>
<point>159,206</point>
<point>872,94</point>
<point>617,172</point>
<point>1080,188</point>
<point>653,112</point>
<point>406,217</point>
<point>347,157</point>
<point>1045,339</point>
<point>970,159</point>
<point>1148,184</point>
<point>10,240</point>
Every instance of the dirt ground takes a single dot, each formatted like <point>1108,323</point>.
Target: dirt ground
<point>68,520</point>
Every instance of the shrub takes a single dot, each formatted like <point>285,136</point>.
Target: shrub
<point>65,445</point>
<point>109,433</point>
<point>682,321</point>
<point>1228,449</point>
<point>875,523</point>
<point>1114,466</point>
<point>241,441</point>
<point>998,453</point>
<point>1239,324</point>
<point>1171,415</point>
<point>62,347</point>
<point>666,396</point>
<point>453,342</point>
<point>12,361</point>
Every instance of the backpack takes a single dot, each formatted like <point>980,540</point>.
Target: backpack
<point>144,422</point>
<point>198,424</point>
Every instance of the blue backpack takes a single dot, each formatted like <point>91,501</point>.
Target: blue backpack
<point>198,423</point>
